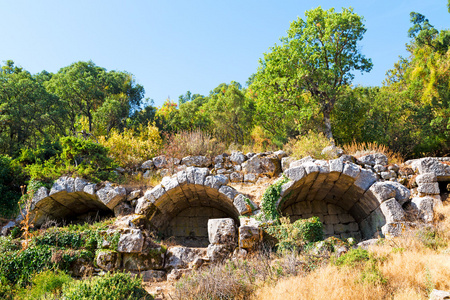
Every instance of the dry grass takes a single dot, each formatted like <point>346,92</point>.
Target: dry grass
<point>194,142</point>
<point>410,266</point>
<point>361,149</point>
<point>310,144</point>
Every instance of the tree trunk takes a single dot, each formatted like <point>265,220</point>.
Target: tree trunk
<point>327,123</point>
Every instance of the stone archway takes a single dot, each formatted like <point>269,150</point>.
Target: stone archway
<point>347,198</point>
<point>181,205</point>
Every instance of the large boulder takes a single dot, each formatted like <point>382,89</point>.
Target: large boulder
<point>131,241</point>
<point>222,231</point>
<point>237,157</point>
<point>179,257</point>
<point>261,164</point>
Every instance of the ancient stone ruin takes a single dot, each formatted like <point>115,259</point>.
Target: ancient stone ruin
<point>198,205</point>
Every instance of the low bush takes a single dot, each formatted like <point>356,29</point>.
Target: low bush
<point>294,236</point>
<point>11,178</point>
<point>45,285</point>
<point>117,286</point>
<point>77,156</point>
<point>310,144</point>
<point>130,148</point>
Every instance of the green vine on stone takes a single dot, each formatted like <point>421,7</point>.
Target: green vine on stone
<point>270,198</point>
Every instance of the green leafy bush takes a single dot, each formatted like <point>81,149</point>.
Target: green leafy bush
<point>45,285</point>
<point>292,236</point>
<point>310,144</point>
<point>19,266</point>
<point>76,156</point>
<point>117,286</point>
<point>270,198</point>
<point>11,179</point>
<point>353,257</point>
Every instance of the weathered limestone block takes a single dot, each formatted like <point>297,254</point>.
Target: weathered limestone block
<point>222,231</point>
<point>431,165</point>
<point>393,211</point>
<point>351,170</point>
<point>332,151</point>
<point>250,236</point>
<point>263,165</point>
<point>426,178</point>
<point>295,173</point>
<point>108,260</point>
<point>402,193</point>
<point>153,276</point>
<point>196,161</point>
<point>429,188</point>
<point>374,159</point>
<point>365,179</point>
<point>250,177</point>
<point>390,230</point>
<point>236,177</point>
<point>301,161</point>
<point>424,208</point>
<point>244,205</point>
<point>228,191</point>
<point>63,184</point>
<point>133,195</point>
<point>237,157</point>
<point>216,181</point>
<point>160,162</point>
<point>147,165</point>
<point>40,194</point>
<point>217,253</point>
<point>7,228</point>
<point>131,241</point>
<point>382,191</point>
<point>280,154</point>
<point>285,162</point>
<point>111,195</point>
<point>139,262</point>
<point>179,257</point>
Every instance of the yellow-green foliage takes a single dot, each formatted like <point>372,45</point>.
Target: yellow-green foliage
<point>310,144</point>
<point>130,147</point>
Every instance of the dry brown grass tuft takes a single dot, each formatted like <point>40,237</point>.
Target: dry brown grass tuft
<point>361,149</point>
<point>194,142</point>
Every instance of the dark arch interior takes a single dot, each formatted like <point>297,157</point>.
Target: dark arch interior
<point>444,188</point>
<point>183,213</point>
<point>337,202</point>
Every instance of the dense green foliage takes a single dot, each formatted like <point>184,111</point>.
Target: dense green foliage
<point>270,198</point>
<point>294,236</point>
<point>117,286</point>
<point>10,179</point>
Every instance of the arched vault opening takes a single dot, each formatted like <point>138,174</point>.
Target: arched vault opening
<point>181,205</point>
<point>346,197</point>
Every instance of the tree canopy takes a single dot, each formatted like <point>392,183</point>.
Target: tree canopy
<point>313,64</point>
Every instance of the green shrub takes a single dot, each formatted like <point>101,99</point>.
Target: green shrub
<point>310,144</point>
<point>76,156</point>
<point>19,266</point>
<point>45,285</point>
<point>292,236</point>
<point>6,290</point>
<point>11,179</point>
<point>270,198</point>
<point>117,286</point>
<point>60,238</point>
<point>353,257</point>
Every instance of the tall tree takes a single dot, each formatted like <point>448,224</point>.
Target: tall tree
<point>313,64</point>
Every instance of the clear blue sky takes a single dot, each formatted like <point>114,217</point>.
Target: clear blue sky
<point>175,46</point>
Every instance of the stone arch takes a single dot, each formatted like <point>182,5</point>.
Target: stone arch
<point>347,198</point>
<point>181,205</point>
